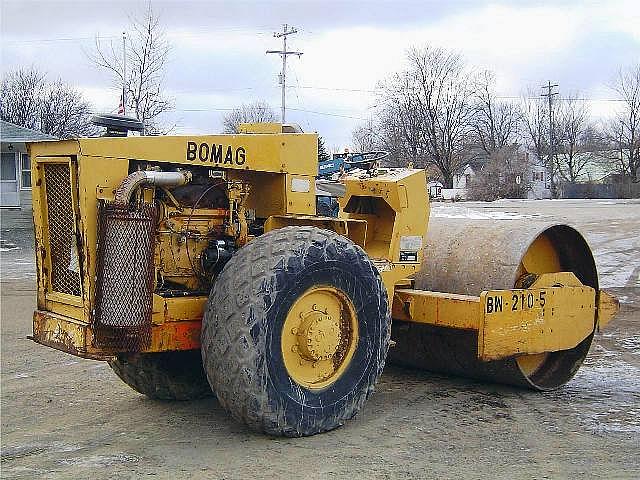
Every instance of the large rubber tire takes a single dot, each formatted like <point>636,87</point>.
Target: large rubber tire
<point>164,376</point>
<point>242,328</point>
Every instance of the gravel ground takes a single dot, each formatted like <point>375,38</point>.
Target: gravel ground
<point>65,417</point>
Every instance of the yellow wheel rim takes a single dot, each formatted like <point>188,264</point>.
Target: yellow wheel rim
<point>319,337</point>
<point>541,257</point>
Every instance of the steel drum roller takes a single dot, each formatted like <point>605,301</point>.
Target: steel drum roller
<point>468,256</point>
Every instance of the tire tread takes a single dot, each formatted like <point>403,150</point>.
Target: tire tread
<point>235,368</point>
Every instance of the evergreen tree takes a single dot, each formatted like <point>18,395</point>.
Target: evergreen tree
<point>323,155</point>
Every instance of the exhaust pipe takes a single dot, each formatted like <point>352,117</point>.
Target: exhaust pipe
<point>125,190</point>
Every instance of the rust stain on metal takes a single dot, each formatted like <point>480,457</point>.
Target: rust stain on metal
<point>175,336</point>
<point>57,337</point>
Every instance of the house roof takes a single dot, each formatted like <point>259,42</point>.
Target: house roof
<point>10,132</point>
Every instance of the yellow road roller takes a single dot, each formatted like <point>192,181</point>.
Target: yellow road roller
<point>199,265</point>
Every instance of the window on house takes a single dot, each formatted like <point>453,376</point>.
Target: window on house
<point>25,171</point>
<point>9,183</point>
<point>467,179</point>
<point>8,166</point>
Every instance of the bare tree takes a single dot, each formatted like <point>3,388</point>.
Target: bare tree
<point>574,139</point>
<point>534,125</point>
<point>364,137</point>
<point>444,106</point>
<point>533,115</point>
<point>399,126</point>
<point>20,94</point>
<point>147,50</point>
<point>625,132</point>
<point>64,113</point>
<point>425,110</point>
<point>506,174</point>
<point>613,136</point>
<point>495,123</point>
<point>55,108</point>
<point>383,134</point>
<point>258,111</point>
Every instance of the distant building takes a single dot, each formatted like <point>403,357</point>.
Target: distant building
<point>462,181</point>
<point>594,167</point>
<point>598,177</point>
<point>435,190</point>
<point>15,178</point>
<point>540,183</point>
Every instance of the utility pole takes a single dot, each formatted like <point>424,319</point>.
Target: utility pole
<point>283,53</point>
<point>622,169</point>
<point>552,154</point>
<point>124,73</point>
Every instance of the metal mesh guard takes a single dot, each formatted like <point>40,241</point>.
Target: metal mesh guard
<point>125,276</point>
<point>65,271</point>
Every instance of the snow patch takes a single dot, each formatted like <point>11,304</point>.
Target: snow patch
<point>617,261</point>
<point>97,461</point>
<point>605,394</point>
<point>456,211</point>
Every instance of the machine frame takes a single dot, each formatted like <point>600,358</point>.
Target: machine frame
<point>384,211</point>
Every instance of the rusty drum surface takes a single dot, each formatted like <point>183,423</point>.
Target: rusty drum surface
<point>468,256</point>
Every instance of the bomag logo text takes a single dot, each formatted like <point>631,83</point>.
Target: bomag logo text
<point>216,153</point>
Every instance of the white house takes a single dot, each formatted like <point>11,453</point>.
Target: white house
<point>539,178</point>
<point>15,174</point>
<point>435,189</point>
<point>461,182</point>
<point>540,183</point>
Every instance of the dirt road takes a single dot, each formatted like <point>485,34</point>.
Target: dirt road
<point>64,417</point>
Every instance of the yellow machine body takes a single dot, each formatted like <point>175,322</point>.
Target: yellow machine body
<point>276,173</point>
<point>268,178</point>
<point>548,317</point>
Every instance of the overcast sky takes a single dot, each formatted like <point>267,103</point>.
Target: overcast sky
<point>218,59</point>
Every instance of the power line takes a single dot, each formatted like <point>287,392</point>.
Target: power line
<point>195,110</point>
<point>327,114</point>
<point>501,97</point>
<point>336,89</point>
<point>295,87</point>
<point>222,109</point>
<point>348,90</point>
<point>203,109</point>
<point>204,31</point>
<point>512,97</point>
<point>60,39</point>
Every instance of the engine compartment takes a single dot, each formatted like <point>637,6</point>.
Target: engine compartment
<point>200,225</point>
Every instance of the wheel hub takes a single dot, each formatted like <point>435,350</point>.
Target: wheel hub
<point>319,337</point>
